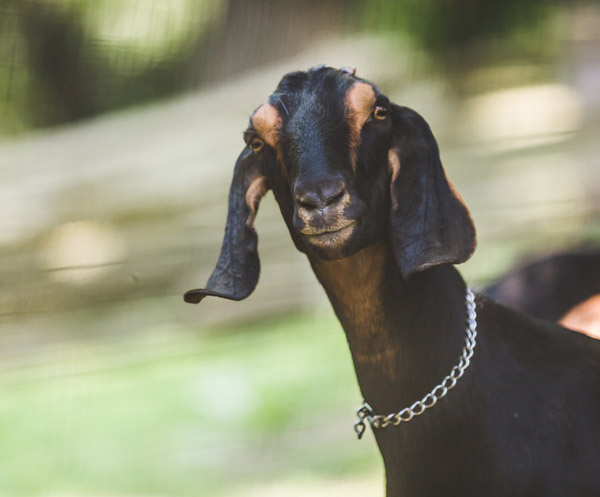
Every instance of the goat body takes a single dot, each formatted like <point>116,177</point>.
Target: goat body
<point>562,287</point>
<point>549,286</point>
<point>361,188</point>
<point>584,317</point>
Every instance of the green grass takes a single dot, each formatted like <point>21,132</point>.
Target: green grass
<point>215,412</point>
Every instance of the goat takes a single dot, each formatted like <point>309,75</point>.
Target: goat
<point>548,286</point>
<point>562,287</point>
<point>361,188</point>
<point>584,317</point>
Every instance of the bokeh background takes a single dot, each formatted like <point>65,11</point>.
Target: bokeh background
<point>120,121</point>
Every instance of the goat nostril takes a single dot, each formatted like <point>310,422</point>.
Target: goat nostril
<point>306,205</point>
<point>335,198</point>
<point>308,201</point>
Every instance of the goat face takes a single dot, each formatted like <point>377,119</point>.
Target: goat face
<point>348,169</point>
<point>317,124</point>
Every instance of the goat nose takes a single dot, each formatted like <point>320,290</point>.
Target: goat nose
<point>321,195</point>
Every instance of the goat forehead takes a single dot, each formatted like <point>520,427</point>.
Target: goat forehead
<point>324,86</point>
<point>317,109</point>
<point>313,106</point>
<point>350,91</point>
<point>326,80</point>
<point>352,105</point>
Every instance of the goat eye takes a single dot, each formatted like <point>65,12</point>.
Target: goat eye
<point>380,112</point>
<point>256,144</point>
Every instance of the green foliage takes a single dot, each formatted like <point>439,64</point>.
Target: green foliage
<point>71,59</point>
<point>446,28</point>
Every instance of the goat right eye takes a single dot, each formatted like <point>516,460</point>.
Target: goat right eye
<point>380,112</point>
<point>256,144</point>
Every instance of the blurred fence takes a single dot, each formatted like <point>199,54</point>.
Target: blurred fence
<point>133,205</point>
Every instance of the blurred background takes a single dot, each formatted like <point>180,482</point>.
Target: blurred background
<point>120,122</point>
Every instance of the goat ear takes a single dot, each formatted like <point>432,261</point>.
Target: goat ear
<point>430,224</point>
<point>236,274</point>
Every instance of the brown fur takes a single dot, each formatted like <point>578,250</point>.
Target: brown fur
<point>584,318</point>
<point>394,166</point>
<point>256,191</point>
<point>394,163</point>
<point>267,123</point>
<point>354,286</point>
<point>359,101</point>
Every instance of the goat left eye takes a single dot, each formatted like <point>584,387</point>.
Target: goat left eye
<point>380,112</point>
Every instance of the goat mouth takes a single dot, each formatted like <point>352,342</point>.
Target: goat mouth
<point>330,237</point>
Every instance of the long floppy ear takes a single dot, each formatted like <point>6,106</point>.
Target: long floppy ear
<point>236,274</point>
<point>429,221</point>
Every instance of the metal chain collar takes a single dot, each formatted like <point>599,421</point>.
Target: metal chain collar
<point>365,412</point>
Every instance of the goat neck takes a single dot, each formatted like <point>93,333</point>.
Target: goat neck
<point>404,335</point>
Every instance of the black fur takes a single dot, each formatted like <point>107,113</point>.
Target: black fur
<point>430,225</point>
<point>525,417</point>
<point>548,286</point>
<point>236,274</point>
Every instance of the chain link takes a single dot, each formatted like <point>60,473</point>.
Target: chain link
<point>365,412</point>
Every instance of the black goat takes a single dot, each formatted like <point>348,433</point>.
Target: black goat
<point>550,285</point>
<point>361,188</point>
<point>562,287</point>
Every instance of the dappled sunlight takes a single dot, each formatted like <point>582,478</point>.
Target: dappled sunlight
<point>526,116</point>
<point>150,31</point>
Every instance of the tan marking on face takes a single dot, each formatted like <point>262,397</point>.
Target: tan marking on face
<point>267,123</point>
<point>584,318</point>
<point>255,192</point>
<point>359,101</point>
